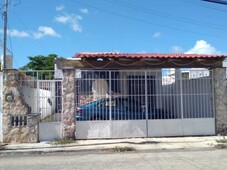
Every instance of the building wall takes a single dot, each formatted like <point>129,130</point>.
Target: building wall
<point>19,124</point>
<point>1,107</point>
<point>37,99</point>
<point>220,96</point>
<point>155,74</point>
<point>195,101</point>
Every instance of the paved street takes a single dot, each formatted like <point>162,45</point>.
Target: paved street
<point>160,159</point>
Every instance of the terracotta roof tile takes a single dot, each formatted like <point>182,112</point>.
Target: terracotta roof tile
<point>144,55</point>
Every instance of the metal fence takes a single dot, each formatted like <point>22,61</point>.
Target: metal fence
<point>144,94</point>
<point>42,92</point>
<point>123,94</point>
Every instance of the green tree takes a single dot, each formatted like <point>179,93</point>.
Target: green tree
<point>40,62</point>
<point>37,63</point>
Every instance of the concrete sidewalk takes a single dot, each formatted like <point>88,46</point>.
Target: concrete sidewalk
<point>171,143</point>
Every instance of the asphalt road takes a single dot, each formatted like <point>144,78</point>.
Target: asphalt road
<point>107,160</point>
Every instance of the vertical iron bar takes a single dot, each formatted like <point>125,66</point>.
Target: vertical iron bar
<point>181,95</point>
<point>146,103</point>
<point>38,97</point>
<point>110,94</point>
<point>213,100</point>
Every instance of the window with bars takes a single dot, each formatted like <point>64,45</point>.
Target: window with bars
<point>19,121</point>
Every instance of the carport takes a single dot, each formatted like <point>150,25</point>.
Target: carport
<point>172,94</point>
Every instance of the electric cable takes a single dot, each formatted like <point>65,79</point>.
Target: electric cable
<point>166,15</point>
<point>149,22</point>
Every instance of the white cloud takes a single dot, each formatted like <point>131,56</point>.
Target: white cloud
<point>157,35</point>
<point>45,31</point>
<point>202,47</point>
<point>16,33</point>
<point>84,10</point>
<point>60,8</point>
<point>62,19</point>
<point>70,19</point>
<point>42,32</point>
<point>176,49</point>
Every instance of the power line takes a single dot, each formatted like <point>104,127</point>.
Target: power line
<point>148,22</point>
<point>1,44</point>
<point>27,28</point>
<point>217,1</point>
<point>166,15</point>
<point>205,6</point>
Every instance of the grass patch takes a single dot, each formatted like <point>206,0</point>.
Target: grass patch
<point>48,118</point>
<point>221,146</point>
<point>222,140</point>
<point>123,149</point>
<point>222,143</point>
<point>2,147</point>
<point>62,141</point>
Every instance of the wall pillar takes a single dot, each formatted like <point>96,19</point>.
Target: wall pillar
<point>220,99</point>
<point>19,125</point>
<point>68,103</point>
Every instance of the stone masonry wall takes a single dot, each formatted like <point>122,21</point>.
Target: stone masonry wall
<point>19,125</point>
<point>68,103</point>
<point>220,99</point>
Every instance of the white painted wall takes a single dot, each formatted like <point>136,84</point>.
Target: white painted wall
<point>45,107</point>
<point>197,97</point>
<point>181,127</point>
<point>110,129</point>
<point>9,61</point>
<point>50,131</point>
<point>31,98</point>
<point>138,128</point>
<point>37,99</point>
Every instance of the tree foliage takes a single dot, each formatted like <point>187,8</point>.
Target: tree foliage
<point>40,62</point>
<point>43,63</point>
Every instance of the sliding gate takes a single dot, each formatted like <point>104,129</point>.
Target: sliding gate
<point>135,103</point>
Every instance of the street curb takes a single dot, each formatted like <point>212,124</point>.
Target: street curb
<point>8,152</point>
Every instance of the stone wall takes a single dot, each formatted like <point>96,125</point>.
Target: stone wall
<point>19,125</point>
<point>68,103</point>
<point>220,100</point>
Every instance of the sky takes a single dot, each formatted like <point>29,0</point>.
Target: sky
<point>66,27</point>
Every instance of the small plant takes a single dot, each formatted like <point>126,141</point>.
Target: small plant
<point>63,141</point>
<point>224,140</point>
<point>123,149</point>
<point>48,118</point>
<point>222,143</point>
<point>2,146</point>
<point>221,146</point>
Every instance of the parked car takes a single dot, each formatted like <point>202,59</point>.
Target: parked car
<point>121,108</point>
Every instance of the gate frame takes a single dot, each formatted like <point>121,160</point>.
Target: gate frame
<point>144,61</point>
<point>54,126</point>
<point>181,126</point>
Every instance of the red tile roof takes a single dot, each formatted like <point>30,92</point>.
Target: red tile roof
<point>143,55</point>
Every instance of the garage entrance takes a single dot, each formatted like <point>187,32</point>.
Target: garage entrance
<point>144,103</point>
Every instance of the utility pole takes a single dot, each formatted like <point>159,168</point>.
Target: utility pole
<point>217,1</point>
<point>5,12</point>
